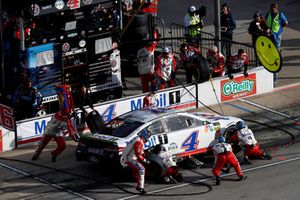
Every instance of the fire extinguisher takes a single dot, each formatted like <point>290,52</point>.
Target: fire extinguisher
<point>65,98</point>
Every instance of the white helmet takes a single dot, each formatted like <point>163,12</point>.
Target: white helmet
<point>192,9</point>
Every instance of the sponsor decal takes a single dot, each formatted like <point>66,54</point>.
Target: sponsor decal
<point>172,146</point>
<point>35,9</point>
<point>6,117</point>
<point>161,101</point>
<point>238,87</point>
<point>59,4</point>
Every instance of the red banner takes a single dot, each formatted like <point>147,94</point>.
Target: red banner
<point>238,87</point>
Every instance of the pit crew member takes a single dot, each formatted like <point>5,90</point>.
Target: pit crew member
<point>223,155</point>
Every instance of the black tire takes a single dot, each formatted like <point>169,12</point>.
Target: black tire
<point>156,169</point>
<point>229,132</point>
<point>237,150</point>
<point>202,72</point>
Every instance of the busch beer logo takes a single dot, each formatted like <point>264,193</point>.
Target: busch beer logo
<point>238,87</point>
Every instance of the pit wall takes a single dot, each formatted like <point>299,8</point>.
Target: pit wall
<point>211,92</point>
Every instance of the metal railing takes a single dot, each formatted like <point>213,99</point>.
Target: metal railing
<point>205,41</point>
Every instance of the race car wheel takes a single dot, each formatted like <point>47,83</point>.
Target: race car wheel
<point>156,169</point>
<point>229,132</point>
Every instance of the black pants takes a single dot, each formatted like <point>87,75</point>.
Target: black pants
<point>226,44</point>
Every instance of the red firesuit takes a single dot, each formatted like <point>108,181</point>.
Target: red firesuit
<point>247,139</point>
<point>133,156</point>
<point>145,62</point>
<point>57,127</point>
<point>187,54</point>
<point>165,69</point>
<point>150,7</point>
<point>223,154</point>
<point>216,62</point>
<point>149,100</point>
<point>237,62</point>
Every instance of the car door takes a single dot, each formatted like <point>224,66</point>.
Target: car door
<point>187,135</point>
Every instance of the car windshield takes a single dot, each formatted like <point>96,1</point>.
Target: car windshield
<point>120,127</point>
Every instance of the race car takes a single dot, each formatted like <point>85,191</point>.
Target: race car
<point>181,133</point>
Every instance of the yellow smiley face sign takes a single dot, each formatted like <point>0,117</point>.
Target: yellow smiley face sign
<point>268,54</point>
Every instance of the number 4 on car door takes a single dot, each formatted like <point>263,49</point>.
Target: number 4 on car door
<point>191,142</point>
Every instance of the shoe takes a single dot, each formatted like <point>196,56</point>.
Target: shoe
<point>172,179</point>
<point>141,190</point>
<point>247,161</point>
<point>34,157</point>
<point>266,156</point>
<point>218,180</point>
<point>242,178</point>
<point>53,158</point>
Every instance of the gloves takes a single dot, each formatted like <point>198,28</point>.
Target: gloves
<point>147,162</point>
<point>245,74</point>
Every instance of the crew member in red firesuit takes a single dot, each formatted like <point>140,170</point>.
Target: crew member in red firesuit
<point>165,68</point>
<point>146,64</point>
<point>237,62</point>
<point>223,155</point>
<point>149,100</point>
<point>171,174</point>
<point>59,126</point>
<point>133,156</point>
<point>216,62</point>
<point>246,138</point>
<point>187,53</point>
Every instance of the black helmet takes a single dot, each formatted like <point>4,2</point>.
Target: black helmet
<point>257,14</point>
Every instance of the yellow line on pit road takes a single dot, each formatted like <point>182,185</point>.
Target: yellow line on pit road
<point>207,179</point>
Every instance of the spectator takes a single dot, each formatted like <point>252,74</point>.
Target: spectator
<point>187,53</point>
<point>245,137</point>
<point>237,62</point>
<point>81,99</point>
<point>146,63</point>
<point>59,125</point>
<point>223,155</point>
<point>165,69</point>
<point>258,26</point>
<point>193,23</point>
<point>216,62</point>
<point>127,5</point>
<point>227,27</point>
<point>24,99</point>
<point>149,100</point>
<point>276,20</point>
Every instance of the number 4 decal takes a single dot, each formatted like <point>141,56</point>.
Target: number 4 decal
<point>191,142</point>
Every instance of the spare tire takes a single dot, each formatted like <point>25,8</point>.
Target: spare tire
<point>201,71</point>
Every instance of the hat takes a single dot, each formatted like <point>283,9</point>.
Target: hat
<point>166,50</point>
<point>192,9</point>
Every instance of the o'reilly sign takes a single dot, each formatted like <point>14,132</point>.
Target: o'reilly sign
<point>238,87</point>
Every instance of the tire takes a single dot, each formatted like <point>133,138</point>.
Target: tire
<point>229,131</point>
<point>202,72</point>
<point>156,169</point>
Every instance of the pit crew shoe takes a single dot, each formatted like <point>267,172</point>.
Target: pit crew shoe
<point>218,179</point>
<point>53,158</point>
<point>242,178</point>
<point>141,190</point>
<point>34,157</point>
<point>247,161</point>
<point>266,156</point>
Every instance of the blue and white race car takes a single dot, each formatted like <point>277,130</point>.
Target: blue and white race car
<point>181,133</point>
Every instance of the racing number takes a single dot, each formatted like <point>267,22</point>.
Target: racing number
<point>191,142</point>
<point>174,97</point>
<point>6,117</point>
<point>73,4</point>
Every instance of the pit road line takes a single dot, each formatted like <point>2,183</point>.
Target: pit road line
<point>207,179</point>
<point>44,181</point>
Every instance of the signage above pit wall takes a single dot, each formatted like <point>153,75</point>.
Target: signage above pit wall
<point>238,87</point>
<point>42,8</point>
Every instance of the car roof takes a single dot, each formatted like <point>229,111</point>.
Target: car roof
<point>146,115</point>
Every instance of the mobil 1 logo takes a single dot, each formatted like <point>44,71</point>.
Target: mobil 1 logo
<point>174,97</point>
